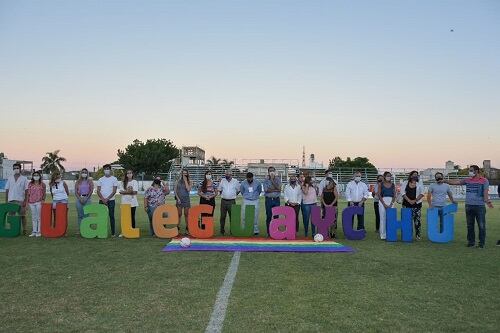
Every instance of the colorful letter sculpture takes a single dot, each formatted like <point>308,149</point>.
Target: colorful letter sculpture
<point>288,221</point>
<point>207,222</point>
<point>61,225</point>
<point>323,224</point>
<point>126,223</point>
<point>448,218</point>
<point>166,227</point>
<point>393,225</point>
<point>14,221</point>
<point>237,229</point>
<point>96,224</point>
<point>347,218</point>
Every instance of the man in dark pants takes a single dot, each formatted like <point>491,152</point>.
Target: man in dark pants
<point>229,189</point>
<point>272,192</point>
<point>356,194</point>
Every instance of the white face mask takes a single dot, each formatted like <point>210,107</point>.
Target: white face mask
<point>388,179</point>
<point>17,171</point>
<point>84,175</point>
<point>329,175</point>
<point>107,172</point>
<point>58,180</point>
<point>272,173</point>
<point>208,177</point>
<point>472,173</point>
<point>36,178</point>
<point>357,178</point>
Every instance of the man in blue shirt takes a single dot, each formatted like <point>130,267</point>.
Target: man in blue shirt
<point>250,190</point>
<point>272,189</point>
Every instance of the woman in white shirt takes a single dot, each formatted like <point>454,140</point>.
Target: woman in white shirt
<point>129,193</point>
<point>58,190</point>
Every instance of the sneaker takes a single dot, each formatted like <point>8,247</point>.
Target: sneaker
<point>222,232</point>
<point>480,246</point>
<point>32,234</point>
<point>498,242</point>
<point>113,236</point>
<point>470,245</point>
<point>120,236</point>
<point>257,233</point>
<point>38,234</point>
<point>418,238</point>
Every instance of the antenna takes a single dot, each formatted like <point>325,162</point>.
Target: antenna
<point>303,156</point>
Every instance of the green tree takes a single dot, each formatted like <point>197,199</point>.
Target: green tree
<point>151,157</point>
<point>361,163</point>
<point>213,161</point>
<point>52,162</point>
<point>117,173</point>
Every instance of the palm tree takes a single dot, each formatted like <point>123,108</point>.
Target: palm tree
<point>52,162</point>
<point>213,161</point>
<point>227,164</point>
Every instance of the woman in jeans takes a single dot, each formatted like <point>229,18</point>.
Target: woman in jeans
<point>129,194</point>
<point>387,197</point>
<point>153,198</point>
<point>84,188</point>
<point>36,196</point>
<point>309,199</point>
<point>413,193</point>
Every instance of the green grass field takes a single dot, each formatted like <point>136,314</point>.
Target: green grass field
<point>78,285</point>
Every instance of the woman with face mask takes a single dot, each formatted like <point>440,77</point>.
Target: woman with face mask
<point>36,196</point>
<point>207,192</point>
<point>58,190</point>
<point>329,198</point>
<point>129,194</point>
<point>380,179</point>
<point>183,201</point>
<point>387,197</point>
<point>84,188</point>
<point>309,199</point>
<point>412,192</point>
<point>153,198</point>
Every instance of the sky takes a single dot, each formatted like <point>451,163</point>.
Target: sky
<point>388,80</point>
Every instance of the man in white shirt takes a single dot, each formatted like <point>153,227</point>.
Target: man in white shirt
<point>356,194</point>
<point>106,190</point>
<point>293,197</point>
<point>15,192</point>
<point>228,189</point>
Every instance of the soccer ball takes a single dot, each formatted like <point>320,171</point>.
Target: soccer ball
<point>318,238</point>
<point>185,242</point>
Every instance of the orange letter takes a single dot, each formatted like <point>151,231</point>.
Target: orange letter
<point>207,222</point>
<point>166,227</point>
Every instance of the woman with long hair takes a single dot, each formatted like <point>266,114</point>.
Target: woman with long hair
<point>84,188</point>
<point>183,201</point>
<point>207,192</point>
<point>413,193</point>
<point>36,196</point>
<point>58,190</point>
<point>129,193</point>
<point>387,197</point>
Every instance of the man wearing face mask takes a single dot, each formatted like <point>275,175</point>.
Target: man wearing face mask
<point>229,189</point>
<point>293,197</point>
<point>15,192</point>
<point>250,190</point>
<point>106,190</point>
<point>272,189</point>
<point>436,196</point>
<point>476,196</point>
<point>356,194</point>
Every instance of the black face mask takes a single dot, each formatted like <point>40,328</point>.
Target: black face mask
<point>157,182</point>
<point>250,181</point>
<point>439,179</point>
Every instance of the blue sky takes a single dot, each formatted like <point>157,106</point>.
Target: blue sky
<point>253,79</point>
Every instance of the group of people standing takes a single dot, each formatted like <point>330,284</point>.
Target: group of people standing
<point>300,193</point>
